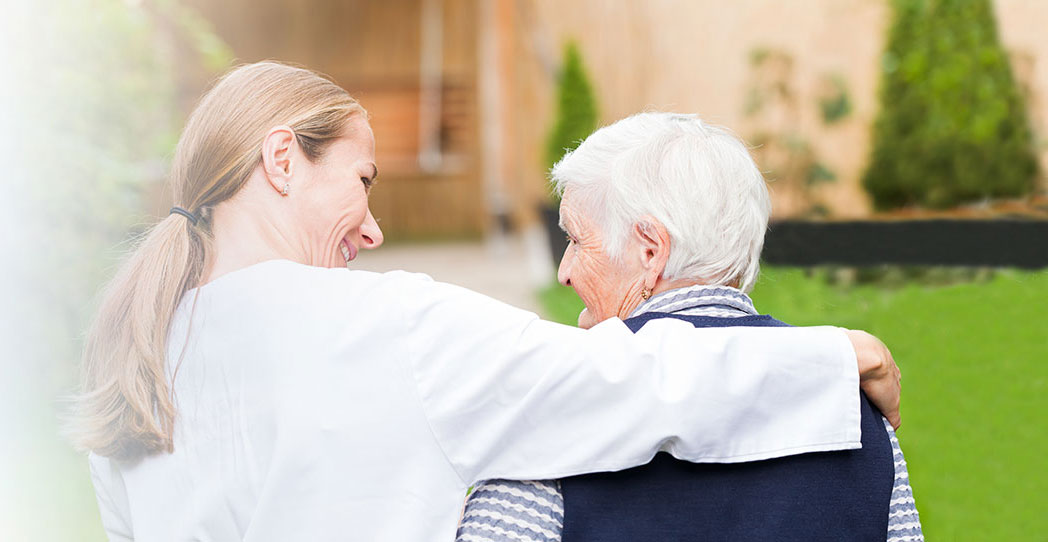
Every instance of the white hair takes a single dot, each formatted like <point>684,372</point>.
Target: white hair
<point>698,180</point>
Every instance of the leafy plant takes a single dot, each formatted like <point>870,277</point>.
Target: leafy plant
<point>953,125</point>
<point>93,111</point>
<point>784,153</point>
<point>835,103</point>
<point>576,116</point>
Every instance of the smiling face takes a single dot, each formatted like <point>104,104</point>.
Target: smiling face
<point>331,198</point>
<point>607,288</point>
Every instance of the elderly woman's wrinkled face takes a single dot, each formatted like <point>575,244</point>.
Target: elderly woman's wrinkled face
<point>608,288</point>
<point>332,203</point>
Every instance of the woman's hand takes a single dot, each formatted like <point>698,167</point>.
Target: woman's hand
<point>879,377</point>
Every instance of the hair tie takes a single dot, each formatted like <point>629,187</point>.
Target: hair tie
<point>176,210</point>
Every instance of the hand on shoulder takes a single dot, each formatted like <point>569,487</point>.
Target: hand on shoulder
<point>879,376</point>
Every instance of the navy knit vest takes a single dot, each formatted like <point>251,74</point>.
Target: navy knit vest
<point>817,496</point>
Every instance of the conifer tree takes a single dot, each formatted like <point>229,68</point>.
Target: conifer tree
<point>576,116</point>
<point>952,126</point>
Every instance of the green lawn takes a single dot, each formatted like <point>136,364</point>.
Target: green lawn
<point>974,359</point>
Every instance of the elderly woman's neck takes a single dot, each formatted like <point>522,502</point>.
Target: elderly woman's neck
<point>634,299</point>
<point>664,285</point>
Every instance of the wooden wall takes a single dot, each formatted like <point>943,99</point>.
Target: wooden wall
<point>660,54</point>
<point>373,49</point>
<point>694,57</point>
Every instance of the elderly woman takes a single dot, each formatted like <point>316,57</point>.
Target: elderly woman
<point>241,384</point>
<point>665,217</point>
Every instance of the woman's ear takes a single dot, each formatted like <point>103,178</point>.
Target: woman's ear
<point>277,150</point>
<point>654,242</point>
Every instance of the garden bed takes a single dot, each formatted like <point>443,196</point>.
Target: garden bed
<point>1010,242</point>
<point>1003,234</point>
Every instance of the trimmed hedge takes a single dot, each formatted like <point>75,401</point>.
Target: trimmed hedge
<point>952,126</point>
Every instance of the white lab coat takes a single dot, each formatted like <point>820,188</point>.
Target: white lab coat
<point>328,404</point>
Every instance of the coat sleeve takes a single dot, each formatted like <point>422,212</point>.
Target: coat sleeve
<point>508,395</point>
<point>112,499</point>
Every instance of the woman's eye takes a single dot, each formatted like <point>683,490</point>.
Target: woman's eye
<point>367,182</point>
<point>570,240</point>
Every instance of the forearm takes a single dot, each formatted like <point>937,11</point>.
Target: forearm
<point>525,399</point>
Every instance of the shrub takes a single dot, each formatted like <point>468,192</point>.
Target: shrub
<point>576,116</point>
<point>783,150</point>
<point>952,126</point>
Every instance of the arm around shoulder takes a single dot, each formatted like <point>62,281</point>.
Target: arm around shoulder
<point>511,396</point>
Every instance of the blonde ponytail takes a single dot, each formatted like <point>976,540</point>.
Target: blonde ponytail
<point>125,407</point>
<point>126,402</point>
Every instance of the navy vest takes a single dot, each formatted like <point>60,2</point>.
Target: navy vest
<point>817,496</point>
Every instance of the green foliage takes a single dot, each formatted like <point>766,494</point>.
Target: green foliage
<point>93,119</point>
<point>975,386</point>
<point>898,276</point>
<point>97,117</point>
<point>784,153</point>
<point>576,107</point>
<point>819,173</point>
<point>212,52</point>
<point>952,126</point>
<point>835,105</point>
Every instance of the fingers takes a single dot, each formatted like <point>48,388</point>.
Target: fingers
<point>894,418</point>
<point>879,376</point>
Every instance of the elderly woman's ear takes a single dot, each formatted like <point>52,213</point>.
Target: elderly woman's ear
<point>653,242</point>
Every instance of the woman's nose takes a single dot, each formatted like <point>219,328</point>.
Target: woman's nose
<point>370,233</point>
<point>564,270</point>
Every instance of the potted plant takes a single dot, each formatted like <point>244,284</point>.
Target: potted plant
<point>574,120</point>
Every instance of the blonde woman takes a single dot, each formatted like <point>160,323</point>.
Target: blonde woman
<point>241,384</point>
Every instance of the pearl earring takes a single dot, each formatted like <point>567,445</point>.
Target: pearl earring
<point>286,186</point>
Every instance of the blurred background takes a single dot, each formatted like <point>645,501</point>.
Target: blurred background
<point>903,139</point>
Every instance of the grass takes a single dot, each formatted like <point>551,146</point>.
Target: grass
<point>975,409</point>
